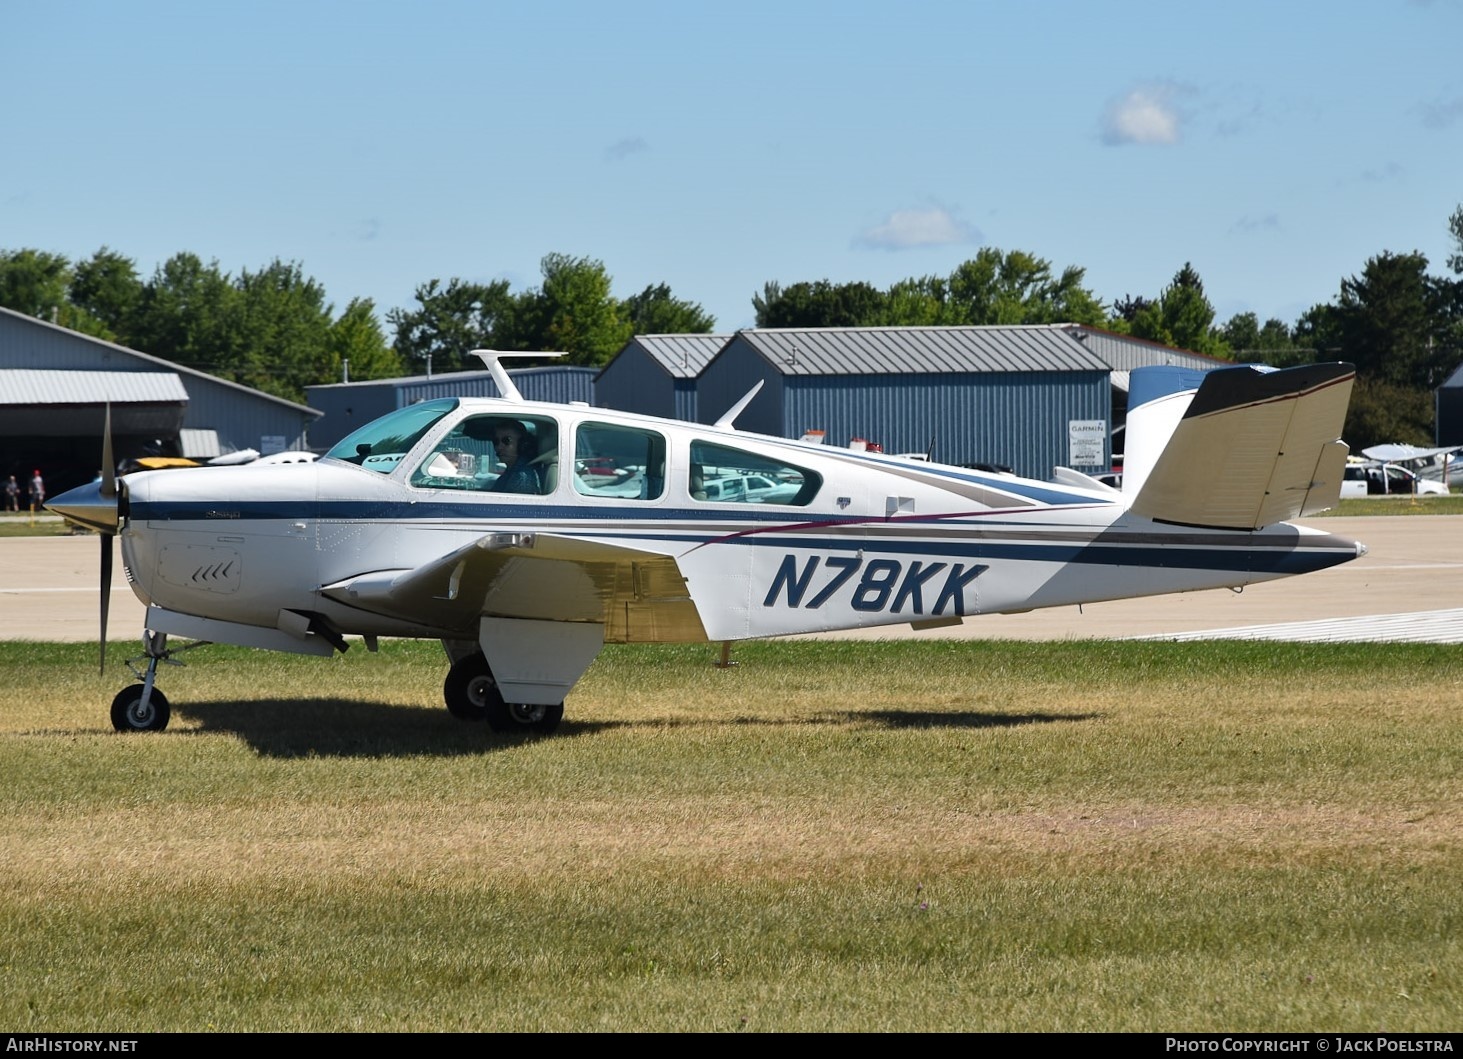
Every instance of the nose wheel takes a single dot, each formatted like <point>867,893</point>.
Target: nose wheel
<point>142,707</point>
<point>135,710</point>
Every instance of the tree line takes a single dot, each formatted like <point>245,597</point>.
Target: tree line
<point>274,329</point>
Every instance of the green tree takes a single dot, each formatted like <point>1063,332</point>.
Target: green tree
<point>1242,333</point>
<point>573,312</point>
<point>1181,317</point>
<point>923,302</point>
<point>1123,312</point>
<point>1386,321</point>
<point>820,304</point>
<point>992,288</point>
<point>1272,344</point>
<point>107,286</point>
<point>1381,412</point>
<point>277,335</point>
<point>449,322</point>
<point>1018,288</point>
<point>1455,228</point>
<point>358,348</point>
<point>655,311</point>
<point>186,313</point>
<point>34,282</point>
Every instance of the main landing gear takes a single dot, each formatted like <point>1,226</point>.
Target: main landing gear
<point>142,707</point>
<point>472,694</point>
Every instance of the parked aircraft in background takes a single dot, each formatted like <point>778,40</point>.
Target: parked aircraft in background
<point>1431,463</point>
<point>401,530</point>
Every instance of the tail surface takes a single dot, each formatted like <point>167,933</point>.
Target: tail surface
<point>1236,448</point>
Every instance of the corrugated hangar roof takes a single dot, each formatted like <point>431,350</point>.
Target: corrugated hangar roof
<point>41,386</point>
<point>682,356</point>
<point>1124,352</point>
<point>922,350</point>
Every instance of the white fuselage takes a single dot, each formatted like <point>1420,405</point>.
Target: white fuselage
<point>882,541</point>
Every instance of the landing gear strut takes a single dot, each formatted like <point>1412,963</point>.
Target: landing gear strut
<point>472,694</point>
<point>142,707</point>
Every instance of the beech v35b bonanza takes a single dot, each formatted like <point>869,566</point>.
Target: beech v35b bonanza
<point>407,528</point>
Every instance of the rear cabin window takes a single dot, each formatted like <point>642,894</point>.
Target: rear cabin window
<point>720,474</point>
<point>619,463</point>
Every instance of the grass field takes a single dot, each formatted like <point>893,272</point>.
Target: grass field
<point>911,836</point>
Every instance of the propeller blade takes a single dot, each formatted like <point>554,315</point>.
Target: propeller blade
<point>106,596</point>
<point>108,492</point>
<point>109,466</point>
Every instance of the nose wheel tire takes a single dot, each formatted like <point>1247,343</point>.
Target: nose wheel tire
<point>472,694</point>
<point>130,715</point>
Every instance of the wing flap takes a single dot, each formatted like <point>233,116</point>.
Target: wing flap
<point>1253,448</point>
<point>637,595</point>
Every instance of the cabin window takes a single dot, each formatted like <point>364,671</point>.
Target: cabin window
<point>494,453</point>
<point>723,475</point>
<point>619,463</point>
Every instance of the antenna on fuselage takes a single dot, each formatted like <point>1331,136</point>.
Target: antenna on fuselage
<point>505,384</point>
<point>736,409</point>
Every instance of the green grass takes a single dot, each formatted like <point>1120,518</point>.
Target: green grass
<point>24,524</point>
<point>827,836</point>
<point>1452,504</point>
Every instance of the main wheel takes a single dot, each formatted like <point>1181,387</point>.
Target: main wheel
<point>472,694</point>
<point>470,690</point>
<point>129,715</point>
<point>538,718</point>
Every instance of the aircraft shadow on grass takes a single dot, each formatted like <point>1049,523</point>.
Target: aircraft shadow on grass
<point>342,728</point>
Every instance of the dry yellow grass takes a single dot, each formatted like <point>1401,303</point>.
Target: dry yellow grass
<point>893,837</point>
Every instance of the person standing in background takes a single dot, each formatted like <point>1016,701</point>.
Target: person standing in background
<point>37,491</point>
<point>12,494</point>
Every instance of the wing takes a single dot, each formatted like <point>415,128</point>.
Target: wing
<point>638,596</point>
<point>1253,447</point>
<point>1401,453</point>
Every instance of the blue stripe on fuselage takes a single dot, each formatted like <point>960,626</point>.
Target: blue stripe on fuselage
<point>1246,554</point>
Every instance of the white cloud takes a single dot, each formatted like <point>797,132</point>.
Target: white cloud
<point>1145,115</point>
<point>904,229</point>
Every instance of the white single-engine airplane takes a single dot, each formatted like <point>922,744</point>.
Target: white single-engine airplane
<point>641,529</point>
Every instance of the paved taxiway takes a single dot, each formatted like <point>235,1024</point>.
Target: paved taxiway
<point>1409,586</point>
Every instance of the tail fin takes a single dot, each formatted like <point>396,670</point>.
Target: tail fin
<point>1235,448</point>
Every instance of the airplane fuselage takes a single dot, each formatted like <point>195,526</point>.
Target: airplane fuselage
<point>880,541</point>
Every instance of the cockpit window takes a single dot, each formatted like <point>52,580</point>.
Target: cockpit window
<point>494,453</point>
<point>381,444</point>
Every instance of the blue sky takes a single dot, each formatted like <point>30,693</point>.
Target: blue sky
<point>715,147</point>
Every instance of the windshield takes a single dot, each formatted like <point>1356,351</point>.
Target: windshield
<point>381,443</point>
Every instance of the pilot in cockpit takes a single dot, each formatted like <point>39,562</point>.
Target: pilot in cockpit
<point>516,448</point>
